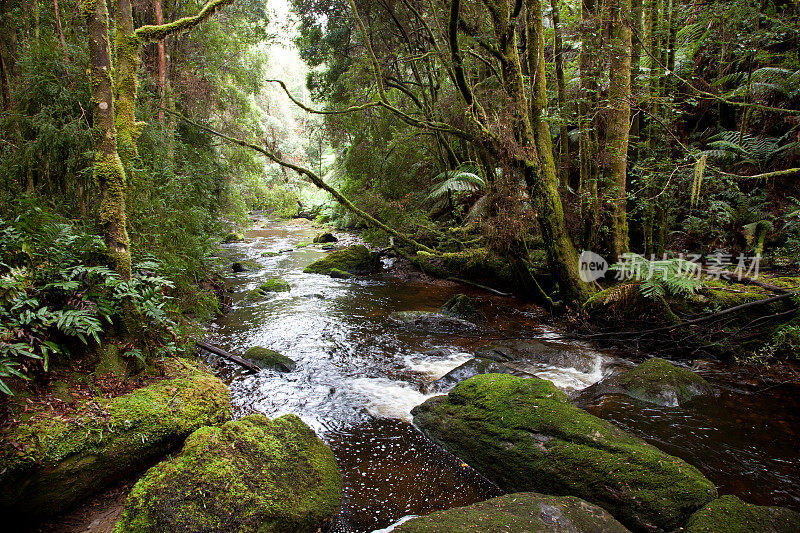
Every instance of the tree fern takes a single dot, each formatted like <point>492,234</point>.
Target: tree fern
<point>466,178</point>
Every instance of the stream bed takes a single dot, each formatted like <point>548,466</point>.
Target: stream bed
<point>360,372</point>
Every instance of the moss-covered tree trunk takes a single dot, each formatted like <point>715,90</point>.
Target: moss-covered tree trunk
<point>618,124</point>
<point>558,59</point>
<point>106,167</point>
<point>587,122</point>
<point>126,67</point>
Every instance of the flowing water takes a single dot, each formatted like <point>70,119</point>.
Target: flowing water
<point>359,373</point>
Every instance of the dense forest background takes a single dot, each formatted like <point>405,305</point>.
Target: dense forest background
<point>515,130</point>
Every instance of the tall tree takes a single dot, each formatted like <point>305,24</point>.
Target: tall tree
<point>618,124</point>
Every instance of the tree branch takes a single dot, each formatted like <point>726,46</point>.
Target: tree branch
<point>157,32</point>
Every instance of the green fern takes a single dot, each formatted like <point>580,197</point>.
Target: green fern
<point>660,277</point>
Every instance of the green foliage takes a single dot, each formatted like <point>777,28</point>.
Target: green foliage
<point>659,278</point>
<point>466,178</point>
<point>57,295</point>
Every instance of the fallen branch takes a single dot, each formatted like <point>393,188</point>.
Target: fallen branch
<point>244,363</point>
<point>694,321</point>
<point>484,287</point>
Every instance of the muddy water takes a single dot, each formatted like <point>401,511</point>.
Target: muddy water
<point>360,373</point>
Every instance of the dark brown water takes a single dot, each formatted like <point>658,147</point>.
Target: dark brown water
<point>360,373</point>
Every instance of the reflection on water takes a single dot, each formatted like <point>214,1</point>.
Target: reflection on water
<point>745,441</point>
<point>359,373</point>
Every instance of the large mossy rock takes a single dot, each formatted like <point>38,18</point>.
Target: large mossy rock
<point>524,435</point>
<point>266,358</point>
<point>325,237</point>
<point>466,370</point>
<point>729,514</point>
<point>353,260</point>
<point>522,512</point>
<point>655,381</point>
<point>459,306</point>
<point>55,461</point>
<point>252,474</point>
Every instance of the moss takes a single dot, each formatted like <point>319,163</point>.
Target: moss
<point>253,474</point>
<point>460,306</point>
<point>353,260</point>
<point>340,274</point>
<point>473,262</point>
<point>232,237</point>
<point>325,237</point>
<point>525,436</point>
<point>732,515</point>
<point>55,462</point>
<point>275,285</point>
<point>111,361</point>
<point>266,358</point>
<point>245,266</point>
<point>521,512</point>
<point>658,381</point>
<point>270,254</point>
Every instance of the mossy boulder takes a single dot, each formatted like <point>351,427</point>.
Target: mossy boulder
<point>655,381</point>
<point>270,254</point>
<point>52,463</point>
<point>340,274</point>
<point>524,435</point>
<point>353,260</point>
<point>521,512</point>
<point>266,358</point>
<point>470,263</point>
<point>431,322</point>
<point>232,237</point>
<point>252,474</point>
<point>473,367</point>
<point>325,237</point>
<point>275,285</point>
<point>732,515</point>
<point>245,266</point>
<point>459,306</point>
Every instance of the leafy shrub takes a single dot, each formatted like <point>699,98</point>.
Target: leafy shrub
<point>56,294</point>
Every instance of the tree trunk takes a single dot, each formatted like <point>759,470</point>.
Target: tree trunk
<point>637,26</point>
<point>558,57</point>
<point>587,111</point>
<point>107,167</point>
<point>126,67</point>
<point>60,31</point>
<point>162,64</point>
<point>618,127</point>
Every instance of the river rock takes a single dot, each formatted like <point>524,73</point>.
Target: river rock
<point>536,352</point>
<point>266,358</point>
<point>431,322</point>
<point>655,381</point>
<point>473,367</point>
<point>250,475</point>
<point>232,237</point>
<point>732,515</point>
<point>459,306</point>
<point>245,266</point>
<point>521,512</point>
<point>353,260</point>
<point>50,464</point>
<point>324,238</point>
<point>524,435</point>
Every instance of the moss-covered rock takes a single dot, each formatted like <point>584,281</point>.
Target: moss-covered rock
<point>340,274</point>
<point>270,254</point>
<point>325,237</point>
<point>275,285</point>
<point>470,263</point>
<point>521,512</point>
<point>232,237</point>
<point>732,515</point>
<point>459,306</point>
<point>655,381</point>
<point>353,260</point>
<point>253,474</point>
<point>52,463</point>
<point>266,358</point>
<point>473,367</point>
<point>524,435</point>
<point>431,322</point>
<point>245,266</point>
